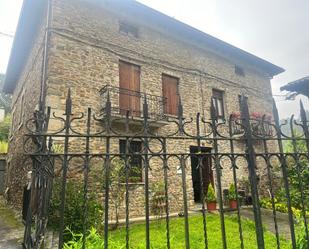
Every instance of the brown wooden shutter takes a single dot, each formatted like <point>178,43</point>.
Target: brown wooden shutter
<point>170,93</point>
<point>129,84</point>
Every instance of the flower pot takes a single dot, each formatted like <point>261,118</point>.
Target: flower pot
<point>233,204</point>
<point>211,206</point>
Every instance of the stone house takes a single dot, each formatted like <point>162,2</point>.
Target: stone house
<point>94,47</point>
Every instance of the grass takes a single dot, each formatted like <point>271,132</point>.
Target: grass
<point>177,234</point>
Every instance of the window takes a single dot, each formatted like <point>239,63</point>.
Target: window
<point>22,109</point>
<point>135,160</point>
<point>128,29</point>
<point>217,99</point>
<point>170,94</point>
<point>129,84</point>
<point>239,71</point>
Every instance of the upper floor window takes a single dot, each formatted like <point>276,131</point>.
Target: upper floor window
<point>217,99</point>
<point>128,29</point>
<point>170,94</point>
<point>239,71</point>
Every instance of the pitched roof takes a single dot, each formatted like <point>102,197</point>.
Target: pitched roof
<point>300,86</point>
<point>32,12</point>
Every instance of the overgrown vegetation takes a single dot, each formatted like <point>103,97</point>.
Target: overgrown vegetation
<point>158,235</point>
<point>74,211</point>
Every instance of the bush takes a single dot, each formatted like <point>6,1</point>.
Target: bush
<point>5,128</point>
<point>232,192</point>
<point>211,196</point>
<point>302,242</point>
<point>74,211</point>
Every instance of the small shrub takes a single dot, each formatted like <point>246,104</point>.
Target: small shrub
<point>5,128</point>
<point>74,210</point>
<point>211,195</point>
<point>232,192</point>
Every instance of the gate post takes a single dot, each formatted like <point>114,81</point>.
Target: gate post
<point>251,159</point>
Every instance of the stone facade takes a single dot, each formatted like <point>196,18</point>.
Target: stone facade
<point>84,51</point>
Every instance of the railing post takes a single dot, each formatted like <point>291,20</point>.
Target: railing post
<point>218,169</point>
<point>146,161</point>
<point>284,174</point>
<point>251,159</point>
<point>68,113</point>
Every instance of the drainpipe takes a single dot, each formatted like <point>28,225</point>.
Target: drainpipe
<point>44,69</point>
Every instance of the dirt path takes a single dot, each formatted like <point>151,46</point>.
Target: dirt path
<point>11,230</point>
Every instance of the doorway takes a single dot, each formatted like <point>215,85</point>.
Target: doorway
<point>207,177</point>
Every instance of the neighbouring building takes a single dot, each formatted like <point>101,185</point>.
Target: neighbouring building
<point>124,48</point>
<point>300,86</point>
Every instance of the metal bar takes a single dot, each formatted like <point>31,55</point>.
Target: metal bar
<point>218,172</point>
<point>185,200</point>
<point>284,174</point>
<point>200,167</point>
<point>86,176</point>
<point>251,157</point>
<point>269,175</point>
<point>146,163</point>
<point>298,163</point>
<point>68,113</point>
<point>107,170</point>
<point>234,167</point>
<point>167,218</point>
<point>127,172</point>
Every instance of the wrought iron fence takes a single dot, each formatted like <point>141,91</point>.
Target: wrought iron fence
<point>163,155</point>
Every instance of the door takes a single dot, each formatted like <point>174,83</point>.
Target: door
<point>2,172</point>
<point>129,92</point>
<point>207,175</point>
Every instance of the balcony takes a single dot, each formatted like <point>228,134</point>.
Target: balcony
<point>260,124</point>
<point>125,101</point>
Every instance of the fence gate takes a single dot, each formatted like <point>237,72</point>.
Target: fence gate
<point>140,167</point>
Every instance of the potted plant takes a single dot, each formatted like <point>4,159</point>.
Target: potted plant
<point>211,199</point>
<point>232,196</point>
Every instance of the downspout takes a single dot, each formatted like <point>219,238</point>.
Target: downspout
<point>44,69</point>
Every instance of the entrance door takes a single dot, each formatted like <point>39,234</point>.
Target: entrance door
<point>207,172</point>
<point>129,92</point>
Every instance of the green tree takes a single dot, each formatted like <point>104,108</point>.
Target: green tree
<point>5,128</point>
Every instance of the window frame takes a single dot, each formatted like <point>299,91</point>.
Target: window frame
<point>218,96</point>
<point>239,70</point>
<point>122,144</point>
<point>128,29</point>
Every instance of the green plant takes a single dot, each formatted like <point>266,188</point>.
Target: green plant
<point>74,209</point>
<point>232,192</point>
<point>5,128</point>
<point>211,195</point>
<point>158,199</point>
<point>302,242</point>
<point>3,146</point>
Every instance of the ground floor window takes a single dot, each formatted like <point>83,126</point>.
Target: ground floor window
<point>133,151</point>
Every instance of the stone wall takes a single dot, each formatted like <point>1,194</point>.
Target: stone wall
<point>25,101</point>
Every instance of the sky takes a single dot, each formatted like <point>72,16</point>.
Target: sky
<point>275,30</point>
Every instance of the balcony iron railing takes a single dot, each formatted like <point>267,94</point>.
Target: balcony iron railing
<point>125,100</point>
